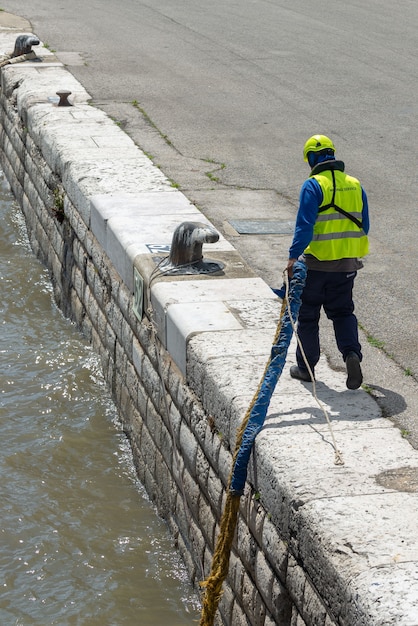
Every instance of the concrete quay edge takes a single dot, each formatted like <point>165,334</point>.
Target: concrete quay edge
<point>355,538</point>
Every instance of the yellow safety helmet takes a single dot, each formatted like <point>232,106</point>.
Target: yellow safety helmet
<point>317,143</point>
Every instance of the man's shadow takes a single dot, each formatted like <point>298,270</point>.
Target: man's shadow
<point>336,404</point>
<point>389,401</point>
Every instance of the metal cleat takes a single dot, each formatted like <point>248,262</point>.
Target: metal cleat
<point>23,45</point>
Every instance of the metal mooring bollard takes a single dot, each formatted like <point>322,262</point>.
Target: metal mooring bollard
<point>186,250</point>
<point>23,45</point>
<point>63,96</point>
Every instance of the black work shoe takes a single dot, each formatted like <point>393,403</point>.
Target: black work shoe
<point>355,377</point>
<point>300,374</point>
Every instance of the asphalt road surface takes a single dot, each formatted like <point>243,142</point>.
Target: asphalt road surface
<point>223,95</point>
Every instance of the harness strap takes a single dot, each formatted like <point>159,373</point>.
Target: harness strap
<point>332,205</point>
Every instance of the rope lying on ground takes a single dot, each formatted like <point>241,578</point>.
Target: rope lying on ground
<point>9,60</point>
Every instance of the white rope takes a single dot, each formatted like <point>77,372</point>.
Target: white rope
<point>338,458</point>
<point>150,312</point>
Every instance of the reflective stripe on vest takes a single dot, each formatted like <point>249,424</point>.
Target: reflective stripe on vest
<point>335,235</point>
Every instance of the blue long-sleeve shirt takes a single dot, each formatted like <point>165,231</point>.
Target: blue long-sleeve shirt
<point>310,200</point>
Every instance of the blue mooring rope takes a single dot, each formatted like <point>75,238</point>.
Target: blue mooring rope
<point>273,372</point>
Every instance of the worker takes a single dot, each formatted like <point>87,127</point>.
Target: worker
<point>331,237</point>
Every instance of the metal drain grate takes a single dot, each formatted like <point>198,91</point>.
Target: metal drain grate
<point>400,478</point>
<point>262,227</point>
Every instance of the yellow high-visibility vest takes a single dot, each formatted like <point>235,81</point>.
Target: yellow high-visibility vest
<point>335,235</point>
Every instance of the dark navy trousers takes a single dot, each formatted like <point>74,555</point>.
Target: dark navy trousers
<point>334,292</point>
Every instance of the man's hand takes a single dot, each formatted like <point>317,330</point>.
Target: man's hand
<point>289,267</point>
